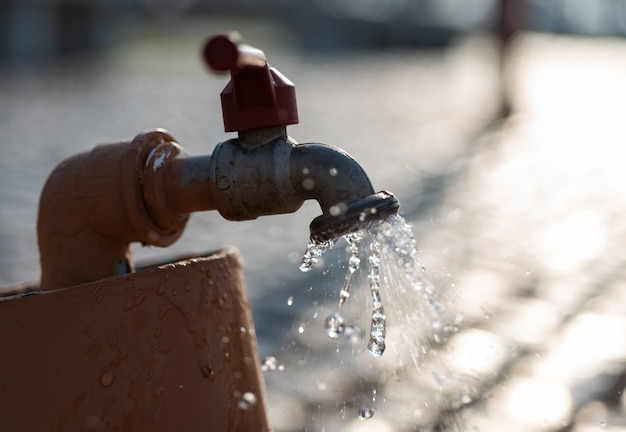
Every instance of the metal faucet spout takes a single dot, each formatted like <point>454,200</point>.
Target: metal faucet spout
<point>277,177</point>
<point>341,187</point>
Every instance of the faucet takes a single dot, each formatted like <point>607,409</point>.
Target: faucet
<point>95,204</point>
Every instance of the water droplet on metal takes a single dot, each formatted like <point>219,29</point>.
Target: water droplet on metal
<point>107,378</point>
<point>308,183</point>
<point>247,400</point>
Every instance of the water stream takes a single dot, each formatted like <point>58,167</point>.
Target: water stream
<point>392,247</point>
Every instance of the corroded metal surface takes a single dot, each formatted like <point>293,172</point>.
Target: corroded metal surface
<point>168,348</point>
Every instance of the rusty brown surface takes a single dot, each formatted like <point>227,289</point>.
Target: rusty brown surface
<point>96,203</point>
<point>168,348</point>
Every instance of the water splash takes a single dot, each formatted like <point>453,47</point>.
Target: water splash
<point>397,239</point>
<point>392,238</point>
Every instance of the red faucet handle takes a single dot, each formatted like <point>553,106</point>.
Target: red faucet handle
<point>225,53</point>
<point>257,96</point>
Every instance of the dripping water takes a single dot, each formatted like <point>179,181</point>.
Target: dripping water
<point>354,261</point>
<point>313,254</point>
<point>386,252</point>
<point>378,328</point>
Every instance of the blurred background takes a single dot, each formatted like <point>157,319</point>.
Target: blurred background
<point>500,126</point>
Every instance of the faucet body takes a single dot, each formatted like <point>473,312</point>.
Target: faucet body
<point>279,176</point>
<point>95,204</point>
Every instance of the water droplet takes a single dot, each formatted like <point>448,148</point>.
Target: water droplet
<point>269,364</point>
<point>107,378</point>
<point>290,301</point>
<point>308,183</point>
<point>301,328</point>
<point>343,295</point>
<point>333,172</point>
<point>247,400</point>
<point>334,326</point>
<point>376,345</point>
<point>338,209</point>
<point>366,413</point>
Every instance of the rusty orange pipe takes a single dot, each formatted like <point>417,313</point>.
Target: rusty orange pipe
<point>96,203</point>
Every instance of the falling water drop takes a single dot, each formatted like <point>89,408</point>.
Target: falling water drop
<point>334,326</point>
<point>366,413</point>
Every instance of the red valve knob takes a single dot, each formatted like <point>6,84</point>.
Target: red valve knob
<point>257,96</point>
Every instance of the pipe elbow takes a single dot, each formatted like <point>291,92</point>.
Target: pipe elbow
<point>96,203</point>
<point>341,186</point>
